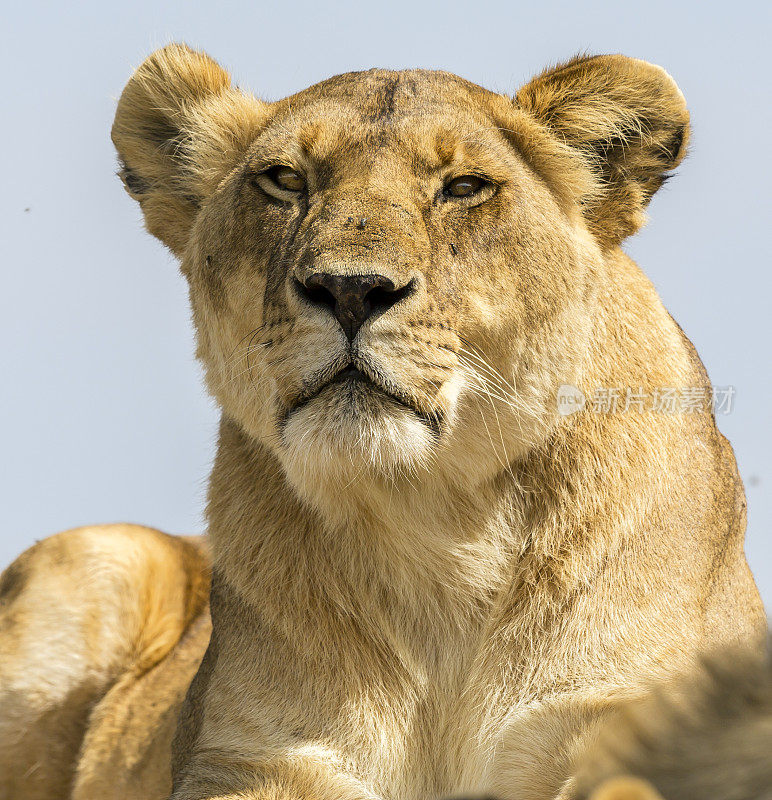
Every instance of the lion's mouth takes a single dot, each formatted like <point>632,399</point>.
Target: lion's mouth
<point>350,373</point>
<point>367,378</point>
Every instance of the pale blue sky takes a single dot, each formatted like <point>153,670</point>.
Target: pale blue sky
<point>102,415</point>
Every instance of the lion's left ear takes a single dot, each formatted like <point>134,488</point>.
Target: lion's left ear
<point>627,119</point>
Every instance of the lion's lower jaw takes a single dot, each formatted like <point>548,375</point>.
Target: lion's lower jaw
<point>328,450</point>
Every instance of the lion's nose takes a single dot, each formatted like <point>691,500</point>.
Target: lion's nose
<point>352,298</point>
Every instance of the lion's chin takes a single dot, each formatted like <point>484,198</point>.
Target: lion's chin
<point>350,431</point>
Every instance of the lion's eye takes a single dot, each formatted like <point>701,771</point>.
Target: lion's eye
<point>464,186</point>
<point>286,178</point>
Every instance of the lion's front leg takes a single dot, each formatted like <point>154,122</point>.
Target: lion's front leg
<point>296,776</point>
<point>541,749</point>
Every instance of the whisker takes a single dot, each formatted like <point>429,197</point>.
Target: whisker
<point>481,384</point>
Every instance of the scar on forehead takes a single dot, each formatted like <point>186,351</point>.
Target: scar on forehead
<point>444,147</point>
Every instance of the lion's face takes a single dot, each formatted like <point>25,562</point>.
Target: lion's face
<point>380,259</point>
<point>386,268</point>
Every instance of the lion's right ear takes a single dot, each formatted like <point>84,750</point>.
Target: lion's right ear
<point>179,128</point>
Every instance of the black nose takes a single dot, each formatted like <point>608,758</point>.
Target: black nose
<point>352,298</point>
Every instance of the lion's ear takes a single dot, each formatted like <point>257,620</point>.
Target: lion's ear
<point>629,122</point>
<point>179,128</point>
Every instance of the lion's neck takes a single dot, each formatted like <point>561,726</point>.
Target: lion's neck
<point>427,570</point>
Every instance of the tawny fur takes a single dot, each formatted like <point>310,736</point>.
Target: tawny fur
<point>707,735</point>
<point>440,586</point>
<point>83,615</point>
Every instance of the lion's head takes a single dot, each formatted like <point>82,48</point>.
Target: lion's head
<point>389,267</point>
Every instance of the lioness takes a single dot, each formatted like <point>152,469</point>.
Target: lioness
<point>427,578</point>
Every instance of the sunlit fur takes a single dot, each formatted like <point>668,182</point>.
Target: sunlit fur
<point>430,584</point>
<point>101,630</point>
<point>707,735</point>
